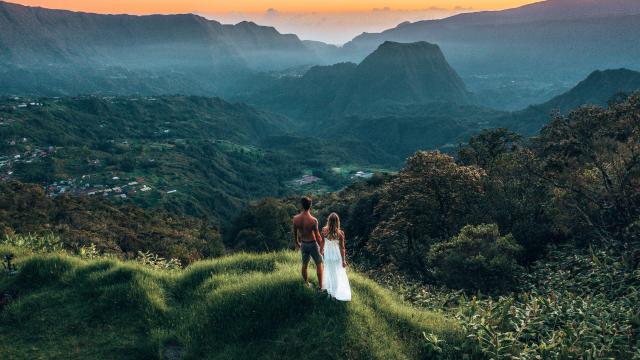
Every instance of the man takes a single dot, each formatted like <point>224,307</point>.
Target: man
<point>308,240</point>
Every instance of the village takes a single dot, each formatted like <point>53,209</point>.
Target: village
<point>8,161</point>
<point>308,179</point>
<point>116,187</point>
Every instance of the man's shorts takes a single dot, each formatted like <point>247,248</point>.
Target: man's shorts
<point>310,250</point>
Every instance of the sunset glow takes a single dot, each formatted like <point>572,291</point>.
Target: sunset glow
<point>186,6</point>
<point>331,21</point>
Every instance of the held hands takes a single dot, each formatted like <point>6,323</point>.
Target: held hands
<point>344,263</point>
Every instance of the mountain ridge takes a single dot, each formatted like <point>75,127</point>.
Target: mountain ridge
<point>599,88</point>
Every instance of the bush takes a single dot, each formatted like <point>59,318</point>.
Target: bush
<point>263,226</point>
<point>44,243</point>
<point>577,305</point>
<point>477,259</point>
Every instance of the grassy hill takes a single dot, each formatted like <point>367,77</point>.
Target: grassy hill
<point>243,306</point>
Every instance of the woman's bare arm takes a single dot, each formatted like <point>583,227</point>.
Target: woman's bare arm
<point>343,250</point>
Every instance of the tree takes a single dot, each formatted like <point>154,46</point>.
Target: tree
<point>263,226</point>
<point>591,159</point>
<point>478,258</point>
<point>426,203</point>
<point>517,200</point>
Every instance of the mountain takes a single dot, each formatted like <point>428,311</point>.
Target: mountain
<point>186,47</point>
<point>393,76</point>
<point>401,74</point>
<point>528,54</point>
<point>597,89</point>
<point>548,10</point>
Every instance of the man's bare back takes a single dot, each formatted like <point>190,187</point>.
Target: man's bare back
<point>306,227</point>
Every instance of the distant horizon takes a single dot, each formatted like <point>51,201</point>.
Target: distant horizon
<point>328,21</point>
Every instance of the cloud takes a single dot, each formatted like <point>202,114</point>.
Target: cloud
<point>271,13</point>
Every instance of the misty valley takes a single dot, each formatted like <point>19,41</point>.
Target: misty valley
<point>485,168</point>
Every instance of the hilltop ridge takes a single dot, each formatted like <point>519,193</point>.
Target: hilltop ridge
<point>134,311</point>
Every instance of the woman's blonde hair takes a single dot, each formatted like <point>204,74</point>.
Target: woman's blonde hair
<point>332,228</point>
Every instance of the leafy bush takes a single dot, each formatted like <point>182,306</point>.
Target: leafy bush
<point>477,259</point>
<point>46,242</point>
<point>157,262</point>
<point>577,305</point>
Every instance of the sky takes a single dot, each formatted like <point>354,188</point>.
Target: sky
<point>332,21</point>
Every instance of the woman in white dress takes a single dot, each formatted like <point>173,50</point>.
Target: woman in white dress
<point>335,279</point>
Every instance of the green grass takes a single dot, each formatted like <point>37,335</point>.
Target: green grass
<point>238,307</point>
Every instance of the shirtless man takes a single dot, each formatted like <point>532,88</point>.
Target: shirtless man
<point>308,239</point>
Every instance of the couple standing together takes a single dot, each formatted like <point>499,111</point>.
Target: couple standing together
<point>327,250</point>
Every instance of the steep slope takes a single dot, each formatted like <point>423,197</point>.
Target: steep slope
<point>118,229</point>
<point>393,76</point>
<point>401,74</point>
<point>597,89</point>
<point>235,307</point>
<point>107,46</point>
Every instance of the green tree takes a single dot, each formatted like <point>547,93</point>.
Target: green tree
<point>591,160</point>
<point>426,203</point>
<point>263,226</point>
<point>478,258</point>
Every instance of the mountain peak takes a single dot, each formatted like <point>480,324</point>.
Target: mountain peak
<point>404,73</point>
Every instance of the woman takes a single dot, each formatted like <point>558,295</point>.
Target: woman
<point>335,262</point>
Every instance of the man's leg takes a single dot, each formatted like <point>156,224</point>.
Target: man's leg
<point>305,264</point>
<point>318,260</point>
<point>320,272</point>
<point>304,273</point>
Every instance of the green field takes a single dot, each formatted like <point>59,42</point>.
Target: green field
<point>241,306</point>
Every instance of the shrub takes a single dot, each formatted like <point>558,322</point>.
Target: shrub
<point>476,259</point>
<point>577,306</point>
<point>44,243</point>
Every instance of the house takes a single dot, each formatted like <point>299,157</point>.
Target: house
<point>362,175</point>
<point>145,188</point>
<point>23,105</point>
<point>172,191</point>
<point>306,179</point>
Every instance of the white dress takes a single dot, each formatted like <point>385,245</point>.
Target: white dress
<point>335,279</point>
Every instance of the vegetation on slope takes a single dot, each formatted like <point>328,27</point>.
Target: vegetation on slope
<point>244,306</point>
<point>122,229</point>
<point>201,157</point>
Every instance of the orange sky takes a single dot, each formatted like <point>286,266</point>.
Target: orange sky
<point>332,21</point>
<point>220,6</point>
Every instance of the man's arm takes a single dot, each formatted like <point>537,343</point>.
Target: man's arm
<point>296,236</point>
<point>319,238</point>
